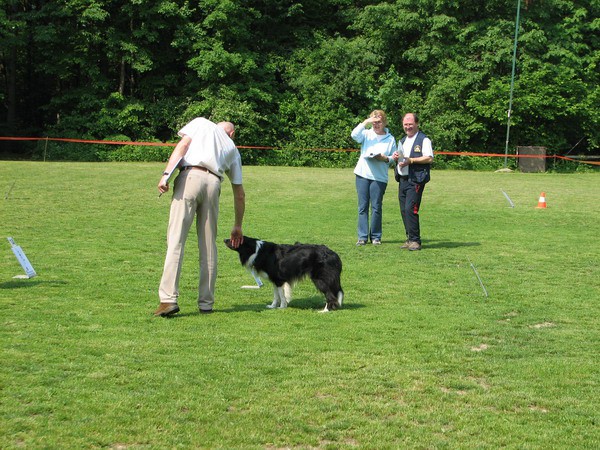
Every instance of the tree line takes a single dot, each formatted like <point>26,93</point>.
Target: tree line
<point>302,74</point>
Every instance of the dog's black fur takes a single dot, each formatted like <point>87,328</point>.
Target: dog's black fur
<point>286,264</point>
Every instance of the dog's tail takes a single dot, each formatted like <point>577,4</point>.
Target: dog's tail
<point>340,297</point>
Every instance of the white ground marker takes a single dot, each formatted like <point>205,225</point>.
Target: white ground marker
<point>480,282</point>
<point>512,205</point>
<point>259,282</point>
<point>20,254</point>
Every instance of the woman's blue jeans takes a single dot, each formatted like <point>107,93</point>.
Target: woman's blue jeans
<point>369,191</point>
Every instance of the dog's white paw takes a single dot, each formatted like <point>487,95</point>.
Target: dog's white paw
<point>272,306</point>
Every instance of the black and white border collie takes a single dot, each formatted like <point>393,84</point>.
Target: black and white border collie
<point>284,265</point>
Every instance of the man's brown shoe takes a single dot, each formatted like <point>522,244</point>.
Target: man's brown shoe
<point>406,244</point>
<point>414,246</point>
<point>166,309</point>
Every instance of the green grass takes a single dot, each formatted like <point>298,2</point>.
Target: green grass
<point>417,358</point>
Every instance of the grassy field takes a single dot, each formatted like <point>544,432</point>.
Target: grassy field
<point>418,357</point>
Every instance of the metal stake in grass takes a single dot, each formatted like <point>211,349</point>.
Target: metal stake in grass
<point>512,205</point>
<point>9,190</point>
<point>478,277</point>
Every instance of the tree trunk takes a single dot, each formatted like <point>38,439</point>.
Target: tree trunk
<point>11,95</point>
<point>122,77</point>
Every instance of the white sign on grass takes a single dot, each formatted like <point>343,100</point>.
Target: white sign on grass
<point>25,264</point>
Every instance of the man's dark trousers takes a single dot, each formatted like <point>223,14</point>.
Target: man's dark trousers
<point>410,194</point>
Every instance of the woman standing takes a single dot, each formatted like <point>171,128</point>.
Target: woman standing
<point>377,148</point>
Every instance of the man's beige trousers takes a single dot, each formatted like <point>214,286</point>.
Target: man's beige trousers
<point>195,195</point>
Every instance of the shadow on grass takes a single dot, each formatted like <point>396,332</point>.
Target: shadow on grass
<point>318,303</point>
<point>448,244</point>
<point>438,244</point>
<point>309,303</point>
<point>236,308</point>
<point>315,303</point>
<point>25,283</point>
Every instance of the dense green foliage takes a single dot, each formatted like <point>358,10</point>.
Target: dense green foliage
<point>301,75</point>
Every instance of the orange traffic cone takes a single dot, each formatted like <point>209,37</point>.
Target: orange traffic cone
<point>542,201</point>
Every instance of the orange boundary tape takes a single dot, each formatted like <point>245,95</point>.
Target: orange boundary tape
<point>348,150</point>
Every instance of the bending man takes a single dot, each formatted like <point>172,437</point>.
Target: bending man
<point>204,154</point>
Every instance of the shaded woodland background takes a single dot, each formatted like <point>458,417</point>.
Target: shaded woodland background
<point>301,74</point>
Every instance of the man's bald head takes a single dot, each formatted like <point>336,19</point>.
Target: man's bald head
<point>228,127</point>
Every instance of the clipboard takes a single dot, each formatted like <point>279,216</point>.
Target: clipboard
<point>170,173</point>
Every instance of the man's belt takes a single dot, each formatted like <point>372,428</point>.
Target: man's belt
<point>202,168</point>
